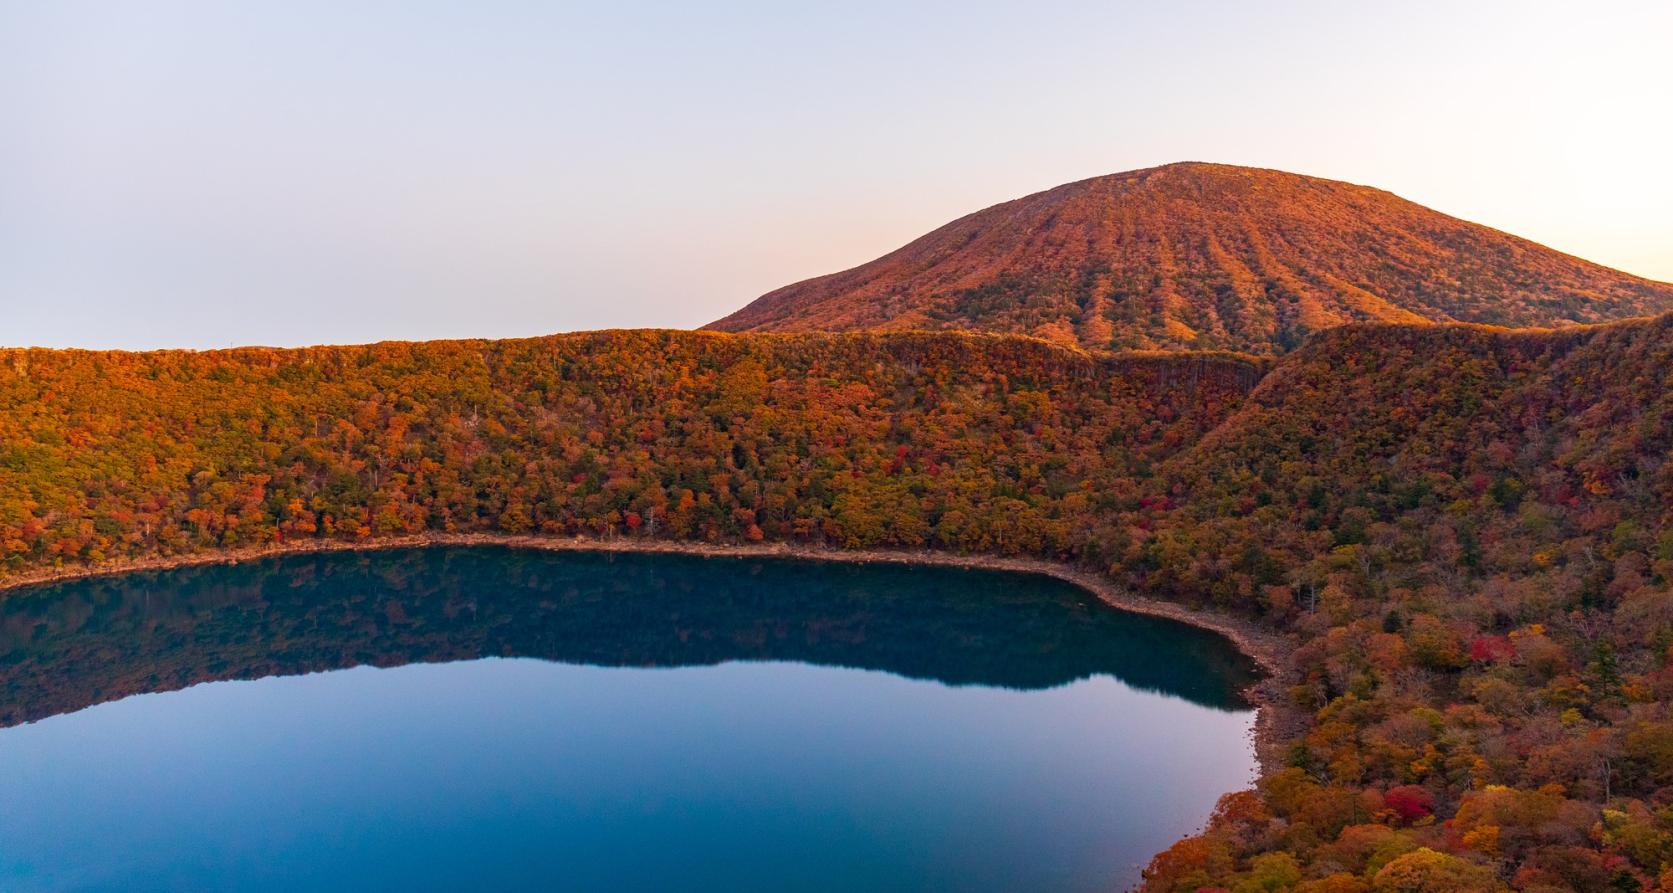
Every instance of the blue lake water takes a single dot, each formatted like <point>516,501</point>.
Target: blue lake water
<point>486,718</point>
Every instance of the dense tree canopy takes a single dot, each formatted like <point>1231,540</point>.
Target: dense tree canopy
<point>988,444</point>
<point>1470,532</point>
<point>1467,532</point>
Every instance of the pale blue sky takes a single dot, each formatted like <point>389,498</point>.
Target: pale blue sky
<point>199,174</point>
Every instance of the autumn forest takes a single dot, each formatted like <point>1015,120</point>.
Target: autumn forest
<point>1465,530</point>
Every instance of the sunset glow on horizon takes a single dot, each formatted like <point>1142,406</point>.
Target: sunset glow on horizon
<point>195,174</point>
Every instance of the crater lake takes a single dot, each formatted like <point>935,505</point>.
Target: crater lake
<point>495,718</point>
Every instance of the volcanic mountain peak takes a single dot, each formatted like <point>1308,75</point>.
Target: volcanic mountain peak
<point>1205,255</point>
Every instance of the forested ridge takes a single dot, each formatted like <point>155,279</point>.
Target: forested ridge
<point>985,443</point>
<point>1468,531</point>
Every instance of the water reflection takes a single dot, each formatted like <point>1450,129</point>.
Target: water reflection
<point>805,726</point>
<point>68,646</point>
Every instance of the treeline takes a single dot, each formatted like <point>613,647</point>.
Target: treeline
<point>989,443</point>
<point>1469,532</point>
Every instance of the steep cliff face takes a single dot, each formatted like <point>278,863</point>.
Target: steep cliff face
<point>1205,256</point>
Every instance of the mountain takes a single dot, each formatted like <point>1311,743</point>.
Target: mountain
<point>1205,256</point>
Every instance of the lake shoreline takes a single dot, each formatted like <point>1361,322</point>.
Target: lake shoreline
<point>1274,722</point>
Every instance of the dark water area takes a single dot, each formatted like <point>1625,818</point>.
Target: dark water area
<point>495,718</point>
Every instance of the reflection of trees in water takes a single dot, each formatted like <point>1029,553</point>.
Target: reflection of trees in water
<point>75,644</point>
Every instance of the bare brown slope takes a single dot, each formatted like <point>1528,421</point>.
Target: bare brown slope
<point>1205,255</point>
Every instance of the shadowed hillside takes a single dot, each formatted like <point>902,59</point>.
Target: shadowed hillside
<point>1205,256</point>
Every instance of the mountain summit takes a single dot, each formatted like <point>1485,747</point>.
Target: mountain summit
<point>1205,255</point>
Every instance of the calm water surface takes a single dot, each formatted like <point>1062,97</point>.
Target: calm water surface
<point>487,718</point>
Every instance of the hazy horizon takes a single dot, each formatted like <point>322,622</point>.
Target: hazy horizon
<point>187,174</point>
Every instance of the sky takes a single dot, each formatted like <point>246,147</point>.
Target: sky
<point>198,173</point>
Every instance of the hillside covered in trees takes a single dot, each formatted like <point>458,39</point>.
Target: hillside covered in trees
<point>990,443</point>
<point>1467,532</point>
<point>1470,533</point>
<point>1205,256</point>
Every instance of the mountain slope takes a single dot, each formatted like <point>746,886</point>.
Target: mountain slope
<point>1205,255</point>
<point>1471,532</point>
